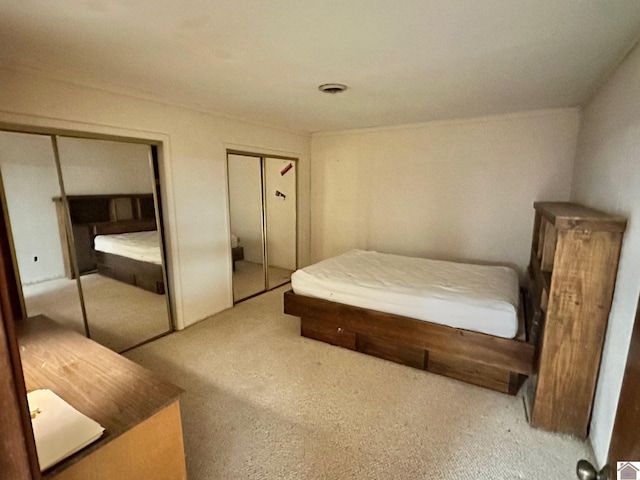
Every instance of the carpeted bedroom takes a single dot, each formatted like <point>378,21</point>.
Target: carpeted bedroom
<point>261,401</point>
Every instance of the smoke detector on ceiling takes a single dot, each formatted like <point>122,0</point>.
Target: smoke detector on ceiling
<point>332,88</point>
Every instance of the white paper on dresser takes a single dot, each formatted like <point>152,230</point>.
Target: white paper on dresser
<point>59,429</point>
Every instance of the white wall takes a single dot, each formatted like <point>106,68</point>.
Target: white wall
<point>30,183</point>
<point>95,167</point>
<point>461,190</point>
<point>607,177</point>
<point>193,172</point>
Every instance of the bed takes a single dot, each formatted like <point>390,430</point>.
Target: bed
<point>460,320</point>
<point>129,251</point>
<point>237,251</point>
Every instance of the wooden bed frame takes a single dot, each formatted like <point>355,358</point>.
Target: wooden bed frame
<point>237,254</point>
<point>148,276</point>
<point>497,363</point>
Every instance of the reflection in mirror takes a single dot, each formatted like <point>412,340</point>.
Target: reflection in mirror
<point>280,199</point>
<point>245,215</point>
<point>30,183</point>
<point>110,193</point>
<point>262,214</point>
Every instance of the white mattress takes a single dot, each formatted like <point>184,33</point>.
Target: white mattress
<point>143,246</point>
<point>472,297</point>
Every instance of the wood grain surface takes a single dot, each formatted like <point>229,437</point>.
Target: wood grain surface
<point>103,385</point>
<point>485,360</point>
<point>571,292</point>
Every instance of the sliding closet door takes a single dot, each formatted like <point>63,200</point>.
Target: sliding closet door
<point>247,225</point>
<point>280,209</point>
<point>262,213</point>
<point>31,186</point>
<point>111,199</point>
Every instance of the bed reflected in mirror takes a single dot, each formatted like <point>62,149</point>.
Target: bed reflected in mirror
<point>61,197</point>
<point>111,202</point>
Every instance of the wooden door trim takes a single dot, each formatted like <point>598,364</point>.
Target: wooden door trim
<point>624,445</point>
<point>18,457</point>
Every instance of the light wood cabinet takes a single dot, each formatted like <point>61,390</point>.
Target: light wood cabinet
<point>572,272</point>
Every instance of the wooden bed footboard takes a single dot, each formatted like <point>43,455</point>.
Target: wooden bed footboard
<point>497,363</point>
<point>237,254</point>
<point>145,275</point>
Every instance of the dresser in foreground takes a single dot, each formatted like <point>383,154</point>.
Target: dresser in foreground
<point>139,410</point>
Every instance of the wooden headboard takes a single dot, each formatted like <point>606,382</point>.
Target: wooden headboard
<point>91,215</point>
<point>124,226</point>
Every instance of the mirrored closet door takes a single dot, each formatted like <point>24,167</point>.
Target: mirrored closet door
<point>30,182</point>
<point>102,227</point>
<point>262,212</point>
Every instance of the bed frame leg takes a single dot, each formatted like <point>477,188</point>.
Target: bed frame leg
<point>515,382</point>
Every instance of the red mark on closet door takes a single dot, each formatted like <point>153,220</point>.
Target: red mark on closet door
<point>286,169</point>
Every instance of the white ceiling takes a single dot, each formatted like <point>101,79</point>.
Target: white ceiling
<point>405,61</point>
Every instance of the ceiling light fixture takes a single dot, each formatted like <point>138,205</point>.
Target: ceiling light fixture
<point>332,88</point>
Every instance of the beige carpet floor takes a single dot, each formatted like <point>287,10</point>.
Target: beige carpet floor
<point>248,279</point>
<point>261,402</point>
<point>120,316</point>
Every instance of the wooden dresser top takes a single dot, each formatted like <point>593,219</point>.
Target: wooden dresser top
<point>105,386</point>
<point>567,215</point>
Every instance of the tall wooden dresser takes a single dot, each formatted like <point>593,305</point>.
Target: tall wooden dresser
<point>572,272</point>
